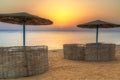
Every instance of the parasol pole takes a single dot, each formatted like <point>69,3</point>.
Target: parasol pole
<point>97,35</point>
<point>24,33</point>
<point>24,45</point>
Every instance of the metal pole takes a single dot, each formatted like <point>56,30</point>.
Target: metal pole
<point>24,46</point>
<point>97,35</point>
<point>24,33</point>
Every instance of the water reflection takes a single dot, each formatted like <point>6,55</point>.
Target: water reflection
<point>55,39</point>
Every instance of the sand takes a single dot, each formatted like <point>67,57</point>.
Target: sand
<point>63,69</point>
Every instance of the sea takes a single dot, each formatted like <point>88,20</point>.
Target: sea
<point>56,39</point>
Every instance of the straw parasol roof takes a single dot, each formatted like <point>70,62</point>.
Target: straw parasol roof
<point>98,24</point>
<point>101,24</point>
<point>24,19</point>
<point>17,18</point>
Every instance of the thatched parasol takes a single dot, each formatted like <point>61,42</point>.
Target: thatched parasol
<point>98,24</point>
<point>24,19</point>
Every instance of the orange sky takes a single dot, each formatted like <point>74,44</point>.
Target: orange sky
<point>66,12</point>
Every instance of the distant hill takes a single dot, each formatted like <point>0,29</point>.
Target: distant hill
<point>5,26</point>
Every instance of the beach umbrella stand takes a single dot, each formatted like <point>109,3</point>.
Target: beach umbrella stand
<point>98,24</point>
<point>99,51</point>
<point>24,19</point>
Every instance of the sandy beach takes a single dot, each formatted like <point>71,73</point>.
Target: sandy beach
<point>63,69</point>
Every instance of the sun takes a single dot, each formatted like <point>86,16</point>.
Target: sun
<point>61,13</point>
<point>62,16</point>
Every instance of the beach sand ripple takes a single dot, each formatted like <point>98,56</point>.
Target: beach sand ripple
<point>63,69</point>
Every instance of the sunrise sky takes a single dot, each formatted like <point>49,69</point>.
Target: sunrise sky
<point>66,13</point>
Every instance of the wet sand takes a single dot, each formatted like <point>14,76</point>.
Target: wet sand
<point>63,69</point>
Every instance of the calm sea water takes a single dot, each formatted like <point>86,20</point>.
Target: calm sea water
<point>56,39</point>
